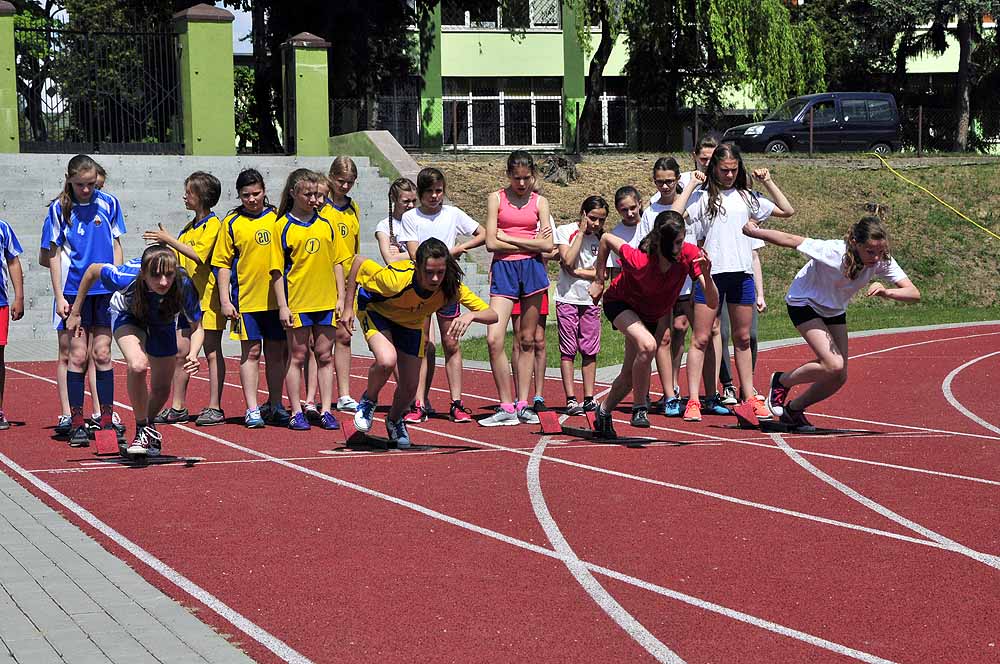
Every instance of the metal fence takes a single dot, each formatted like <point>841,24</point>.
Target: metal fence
<point>98,91</point>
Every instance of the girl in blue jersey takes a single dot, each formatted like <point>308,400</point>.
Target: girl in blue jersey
<point>11,301</point>
<point>149,293</point>
<point>82,228</point>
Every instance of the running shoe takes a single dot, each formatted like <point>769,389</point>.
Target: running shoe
<point>729,395</point>
<point>4,424</point>
<point>573,408</point>
<point>346,404</point>
<point>640,418</point>
<point>397,433</point>
<point>693,411</point>
<point>713,405</point>
<point>658,405</point>
<point>210,417</point>
<point>254,419</point>
<point>278,415</point>
<point>674,407</point>
<point>796,421</point>
<point>329,422</point>
<point>458,413</point>
<point>311,411</point>
<point>526,415</point>
<point>776,395</point>
<point>604,426</point>
<point>589,405</point>
<point>759,409</point>
<point>172,416</point>
<point>416,414</point>
<point>538,404</point>
<point>64,425</point>
<point>364,414</point>
<point>299,422</point>
<point>80,437</point>
<point>147,442</point>
<point>501,418</point>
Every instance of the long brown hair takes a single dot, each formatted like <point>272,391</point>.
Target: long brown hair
<point>453,273</point>
<point>868,228</point>
<point>714,188</point>
<point>81,163</point>
<point>157,260</point>
<point>667,227</point>
<point>294,178</point>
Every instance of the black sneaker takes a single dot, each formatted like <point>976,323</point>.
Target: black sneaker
<point>538,405</point>
<point>603,425</point>
<point>640,418</point>
<point>573,408</point>
<point>80,437</point>
<point>172,416</point>
<point>796,421</point>
<point>589,405</point>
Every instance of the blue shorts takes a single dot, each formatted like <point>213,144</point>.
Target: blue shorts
<point>258,325</point>
<point>518,278</point>
<point>310,318</point>
<point>405,339</point>
<point>161,340</point>
<point>95,312</point>
<point>449,311</point>
<point>734,288</point>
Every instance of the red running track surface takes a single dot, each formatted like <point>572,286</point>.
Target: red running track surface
<point>701,543</point>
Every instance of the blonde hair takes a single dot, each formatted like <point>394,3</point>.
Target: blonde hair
<point>342,166</point>
<point>294,178</point>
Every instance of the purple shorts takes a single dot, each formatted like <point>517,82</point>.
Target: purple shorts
<point>579,329</point>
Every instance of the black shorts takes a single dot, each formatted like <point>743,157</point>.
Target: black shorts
<point>805,314</point>
<point>614,309</point>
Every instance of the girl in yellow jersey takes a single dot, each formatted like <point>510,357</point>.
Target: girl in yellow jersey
<point>194,246</point>
<point>393,304</point>
<point>340,210</point>
<point>309,289</point>
<point>243,259</point>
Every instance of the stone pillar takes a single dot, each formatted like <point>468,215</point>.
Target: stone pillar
<point>306,81</point>
<point>207,95</point>
<point>9,138</point>
<point>431,87</point>
<point>574,76</point>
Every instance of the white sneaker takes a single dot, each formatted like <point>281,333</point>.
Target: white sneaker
<point>397,433</point>
<point>527,415</point>
<point>501,418</point>
<point>346,404</point>
<point>147,442</point>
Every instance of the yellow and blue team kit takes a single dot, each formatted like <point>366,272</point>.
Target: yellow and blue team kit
<point>245,246</point>
<point>305,254</point>
<point>389,300</point>
<point>201,235</point>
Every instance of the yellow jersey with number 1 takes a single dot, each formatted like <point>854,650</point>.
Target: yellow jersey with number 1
<point>304,254</point>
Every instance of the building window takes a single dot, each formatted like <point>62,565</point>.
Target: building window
<point>518,15</point>
<point>498,112</point>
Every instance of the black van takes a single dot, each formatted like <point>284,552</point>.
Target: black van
<point>842,121</point>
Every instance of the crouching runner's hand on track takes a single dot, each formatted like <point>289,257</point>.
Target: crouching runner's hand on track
<point>191,365</point>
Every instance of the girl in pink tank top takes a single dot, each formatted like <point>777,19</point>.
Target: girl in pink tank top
<point>518,232</point>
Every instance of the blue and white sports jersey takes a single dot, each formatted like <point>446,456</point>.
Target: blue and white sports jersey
<point>88,238</point>
<point>121,280</point>
<point>11,249</point>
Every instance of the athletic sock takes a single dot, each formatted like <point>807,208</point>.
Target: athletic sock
<point>106,388</point>
<point>74,390</point>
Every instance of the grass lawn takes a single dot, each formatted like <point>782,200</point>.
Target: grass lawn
<point>773,325</point>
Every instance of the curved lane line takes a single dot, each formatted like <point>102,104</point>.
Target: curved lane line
<point>579,570</point>
<point>950,396</point>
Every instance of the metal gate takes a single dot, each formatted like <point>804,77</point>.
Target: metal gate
<point>111,92</point>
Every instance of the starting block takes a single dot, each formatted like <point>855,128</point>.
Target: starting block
<point>550,422</point>
<point>591,418</point>
<point>355,438</point>
<point>106,442</point>
<point>745,416</point>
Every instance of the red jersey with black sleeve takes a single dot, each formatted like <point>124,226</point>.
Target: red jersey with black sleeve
<point>646,290</point>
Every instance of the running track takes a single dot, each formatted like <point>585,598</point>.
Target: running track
<point>702,544</point>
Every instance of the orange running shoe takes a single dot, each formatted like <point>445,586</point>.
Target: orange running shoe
<point>759,409</point>
<point>693,411</point>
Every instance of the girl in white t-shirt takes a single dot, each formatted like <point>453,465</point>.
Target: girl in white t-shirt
<point>817,304</point>
<point>725,205</point>
<point>432,218</point>
<point>402,198</point>
<point>579,319</point>
<point>628,204</point>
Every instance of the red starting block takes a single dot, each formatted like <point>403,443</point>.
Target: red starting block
<point>347,428</point>
<point>550,422</point>
<point>106,442</point>
<point>591,418</point>
<point>746,418</point>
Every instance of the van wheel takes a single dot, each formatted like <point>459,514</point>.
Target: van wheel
<point>882,148</point>
<point>777,147</point>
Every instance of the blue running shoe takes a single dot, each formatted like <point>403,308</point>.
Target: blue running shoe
<point>713,405</point>
<point>280,416</point>
<point>397,432</point>
<point>328,421</point>
<point>253,419</point>
<point>365,414</point>
<point>674,407</point>
<point>299,422</point>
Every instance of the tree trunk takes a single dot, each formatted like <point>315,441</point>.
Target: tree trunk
<point>267,135</point>
<point>964,33</point>
<point>595,76</point>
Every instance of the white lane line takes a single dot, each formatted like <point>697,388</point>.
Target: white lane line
<point>579,570</point>
<point>979,556</point>
<point>251,629</point>
<point>921,343</point>
<point>950,396</point>
<point>912,427</point>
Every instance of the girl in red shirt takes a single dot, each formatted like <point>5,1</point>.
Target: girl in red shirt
<point>646,289</point>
